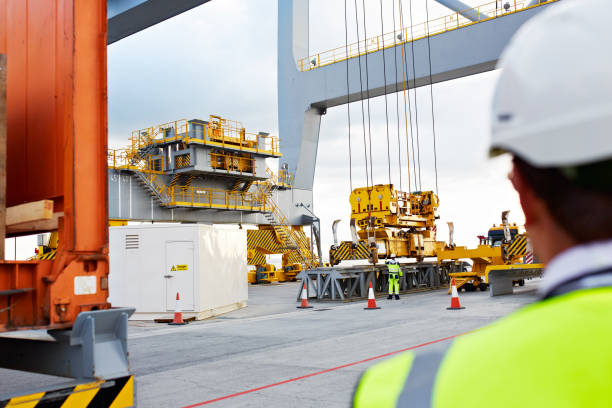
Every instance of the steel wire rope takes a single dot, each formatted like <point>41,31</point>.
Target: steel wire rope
<point>348,97</point>
<point>365,145</point>
<point>408,114</point>
<point>416,108</point>
<point>365,39</point>
<point>433,117</point>
<point>382,35</point>
<point>399,143</point>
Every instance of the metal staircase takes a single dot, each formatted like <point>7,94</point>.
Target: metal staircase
<point>290,239</point>
<point>139,161</point>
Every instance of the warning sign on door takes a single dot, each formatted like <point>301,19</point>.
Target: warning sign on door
<point>179,268</point>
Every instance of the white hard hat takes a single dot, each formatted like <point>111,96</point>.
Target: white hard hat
<point>553,102</point>
<point>392,255</point>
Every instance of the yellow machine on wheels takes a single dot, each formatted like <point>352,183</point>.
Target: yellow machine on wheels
<point>267,240</point>
<point>504,248</point>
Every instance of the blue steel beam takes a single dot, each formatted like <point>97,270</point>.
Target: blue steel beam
<point>127,17</point>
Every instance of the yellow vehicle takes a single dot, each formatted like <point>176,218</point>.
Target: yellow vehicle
<point>266,241</point>
<point>502,249</point>
<point>46,246</point>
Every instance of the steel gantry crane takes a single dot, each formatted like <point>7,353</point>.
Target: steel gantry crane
<point>466,42</point>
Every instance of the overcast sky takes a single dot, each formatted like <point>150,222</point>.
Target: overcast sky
<point>220,58</point>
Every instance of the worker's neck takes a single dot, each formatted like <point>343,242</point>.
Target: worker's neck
<point>549,239</point>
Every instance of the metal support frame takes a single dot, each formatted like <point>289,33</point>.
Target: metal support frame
<point>352,282</point>
<point>127,17</point>
<point>501,282</point>
<point>95,348</point>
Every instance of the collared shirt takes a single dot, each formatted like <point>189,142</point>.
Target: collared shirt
<point>575,262</point>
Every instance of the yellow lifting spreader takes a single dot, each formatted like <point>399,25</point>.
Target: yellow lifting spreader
<point>390,222</point>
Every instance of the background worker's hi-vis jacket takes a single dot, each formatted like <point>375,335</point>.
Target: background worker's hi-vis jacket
<point>556,352</point>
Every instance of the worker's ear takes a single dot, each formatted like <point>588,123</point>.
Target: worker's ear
<point>530,202</point>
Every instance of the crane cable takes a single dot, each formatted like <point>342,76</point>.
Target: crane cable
<point>407,114</point>
<point>433,120</point>
<point>399,143</point>
<point>365,40</point>
<point>416,109</point>
<point>348,97</point>
<point>382,24</point>
<point>362,107</point>
<point>361,94</point>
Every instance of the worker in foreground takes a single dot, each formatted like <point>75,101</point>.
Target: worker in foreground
<point>552,111</point>
<point>395,272</point>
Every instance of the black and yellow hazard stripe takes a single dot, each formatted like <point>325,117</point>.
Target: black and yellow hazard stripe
<point>264,239</point>
<point>517,247</point>
<point>116,393</point>
<point>345,251</point>
<point>294,258</point>
<point>254,257</point>
<point>258,240</point>
<point>48,255</point>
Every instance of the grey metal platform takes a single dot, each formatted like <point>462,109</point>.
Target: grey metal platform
<point>340,283</point>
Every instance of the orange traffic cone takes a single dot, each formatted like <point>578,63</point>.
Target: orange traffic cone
<point>371,299</point>
<point>304,304</point>
<point>178,314</point>
<point>455,305</point>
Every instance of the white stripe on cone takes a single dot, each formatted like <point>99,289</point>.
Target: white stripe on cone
<point>454,292</point>
<point>370,293</point>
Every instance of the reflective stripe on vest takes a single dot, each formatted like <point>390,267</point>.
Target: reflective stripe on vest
<point>590,281</point>
<point>393,268</point>
<point>418,389</point>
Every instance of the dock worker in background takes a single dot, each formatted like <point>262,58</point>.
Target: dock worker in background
<point>552,111</point>
<point>395,272</point>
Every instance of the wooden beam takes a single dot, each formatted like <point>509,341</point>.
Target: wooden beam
<point>32,227</point>
<point>2,153</point>
<point>29,212</point>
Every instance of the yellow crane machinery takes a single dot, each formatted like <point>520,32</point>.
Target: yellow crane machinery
<point>46,245</point>
<point>267,240</point>
<point>503,249</point>
<point>389,221</point>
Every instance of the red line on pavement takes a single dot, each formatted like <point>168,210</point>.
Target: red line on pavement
<point>199,404</point>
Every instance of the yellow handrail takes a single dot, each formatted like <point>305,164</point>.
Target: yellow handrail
<point>215,198</point>
<point>436,26</point>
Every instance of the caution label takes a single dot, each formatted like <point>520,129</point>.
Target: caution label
<point>179,268</point>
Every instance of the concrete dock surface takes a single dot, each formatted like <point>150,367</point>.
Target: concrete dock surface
<point>271,354</point>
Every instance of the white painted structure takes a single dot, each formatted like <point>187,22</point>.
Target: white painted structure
<point>206,264</point>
